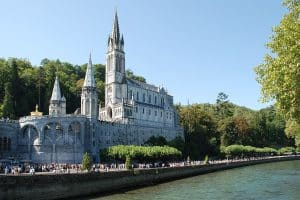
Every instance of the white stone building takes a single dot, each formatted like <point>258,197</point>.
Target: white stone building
<point>134,111</point>
<point>131,101</point>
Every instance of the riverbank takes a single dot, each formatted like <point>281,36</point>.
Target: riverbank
<point>57,186</point>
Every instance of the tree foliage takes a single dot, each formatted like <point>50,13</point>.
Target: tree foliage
<point>199,125</point>
<point>177,142</point>
<point>279,75</point>
<point>86,162</point>
<point>207,127</point>
<point>128,162</point>
<point>156,141</point>
<point>247,151</point>
<point>131,75</point>
<point>27,81</point>
<point>140,153</point>
<point>8,107</point>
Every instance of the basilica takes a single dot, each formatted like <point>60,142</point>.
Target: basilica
<point>133,112</point>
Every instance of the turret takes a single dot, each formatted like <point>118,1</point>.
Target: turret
<point>89,96</point>
<point>57,102</point>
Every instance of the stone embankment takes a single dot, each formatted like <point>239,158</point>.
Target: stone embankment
<point>58,186</point>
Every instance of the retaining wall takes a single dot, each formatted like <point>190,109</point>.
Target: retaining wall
<point>58,186</point>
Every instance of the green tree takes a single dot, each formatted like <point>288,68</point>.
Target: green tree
<point>279,75</point>
<point>4,78</point>
<point>223,107</point>
<point>229,132</point>
<point>156,141</point>
<point>140,153</point>
<point>177,143</point>
<point>128,162</point>
<point>8,107</point>
<point>86,162</point>
<point>131,75</point>
<point>199,126</point>
<point>15,87</point>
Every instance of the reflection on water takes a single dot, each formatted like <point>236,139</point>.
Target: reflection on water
<point>266,181</point>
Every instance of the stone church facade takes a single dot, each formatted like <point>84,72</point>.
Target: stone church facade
<point>133,112</point>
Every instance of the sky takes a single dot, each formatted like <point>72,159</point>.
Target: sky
<point>194,48</point>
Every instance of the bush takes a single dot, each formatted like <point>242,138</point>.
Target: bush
<point>247,151</point>
<point>141,153</point>
<point>287,150</point>
<point>86,162</point>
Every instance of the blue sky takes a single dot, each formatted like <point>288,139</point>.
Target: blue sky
<point>194,48</point>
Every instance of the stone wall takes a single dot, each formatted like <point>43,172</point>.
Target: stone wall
<point>64,139</point>
<point>75,185</point>
<point>8,138</point>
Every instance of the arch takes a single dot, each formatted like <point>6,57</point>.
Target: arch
<point>74,132</point>
<point>28,134</point>
<point>53,133</point>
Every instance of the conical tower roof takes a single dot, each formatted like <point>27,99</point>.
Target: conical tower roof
<point>116,31</point>
<point>89,80</point>
<point>56,95</point>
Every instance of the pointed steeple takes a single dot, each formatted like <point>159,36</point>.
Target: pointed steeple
<point>56,95</point>
<point>115,31</point>
<point>89,80</point>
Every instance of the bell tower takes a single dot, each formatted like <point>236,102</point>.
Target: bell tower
<point>115,89</point>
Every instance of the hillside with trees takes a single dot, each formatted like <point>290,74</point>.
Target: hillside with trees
<point>207,127</point>
<point>23,85</point>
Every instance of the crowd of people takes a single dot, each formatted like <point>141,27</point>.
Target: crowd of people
<point>33,169</point>
<point>57,168</point>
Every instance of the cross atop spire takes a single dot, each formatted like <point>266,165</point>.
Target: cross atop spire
<point>56,95</point>
<point>89,80</point>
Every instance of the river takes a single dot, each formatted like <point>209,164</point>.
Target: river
<point>279,180</point>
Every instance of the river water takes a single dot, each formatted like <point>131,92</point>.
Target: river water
<point>280,180</point>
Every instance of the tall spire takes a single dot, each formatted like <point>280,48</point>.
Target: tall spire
<point>116,32</point>
<point>56,95</point>
<point>89,80</point>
